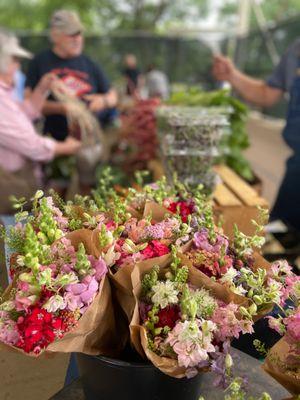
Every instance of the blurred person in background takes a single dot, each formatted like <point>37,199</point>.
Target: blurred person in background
<point>284,79</point>
<point>157,83</point>
<point>84,78</point>
<point>21,147</point>
<point>132,74</point>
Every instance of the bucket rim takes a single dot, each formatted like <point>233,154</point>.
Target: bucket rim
<point>121,363</point>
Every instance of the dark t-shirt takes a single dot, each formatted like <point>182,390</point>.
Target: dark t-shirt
<point>132,75</point>
<point>285,72</point>
<point>80,74</point>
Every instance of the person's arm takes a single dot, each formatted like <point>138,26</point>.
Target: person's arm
<point>49,107</point>
<point>106,97</point>
<point>99,102</point>
<point>35,99</point>
<point>33,78</point>
<point>18,134</point>
<point>253,90</point>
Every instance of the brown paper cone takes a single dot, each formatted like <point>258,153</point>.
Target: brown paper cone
<point>157,211</point>
<point>281,350</point>
<point>122,282</point>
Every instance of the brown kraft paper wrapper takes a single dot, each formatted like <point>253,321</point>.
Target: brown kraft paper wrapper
<point>138,333</point>
<point>95,332</point>
<point>122,283</point>
<point>290,380</point>
<point>157,211</point>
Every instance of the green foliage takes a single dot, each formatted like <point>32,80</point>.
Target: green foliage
<point>188,304</point>
<point>14,238</point>
<point>102,14</point>
<point>260,347</point>
<point>234,143</point>
<point>244,244</point>
<point>150,280</point>
<point>49,231</point>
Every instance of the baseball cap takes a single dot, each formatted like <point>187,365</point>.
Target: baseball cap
<point>10,46</point>
<point>66,21</point>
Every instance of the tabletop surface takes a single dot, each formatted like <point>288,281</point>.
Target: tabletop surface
<point>246,366</point>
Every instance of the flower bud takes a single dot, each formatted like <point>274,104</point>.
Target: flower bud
<point>228,361</point>
<point>25,277</point>
<point>253,309</point>
<point>258,300</point>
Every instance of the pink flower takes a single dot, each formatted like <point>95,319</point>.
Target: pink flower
<point>291,288</point>
<point>22,286</point>
<point>276,324</point>
<point>229,326</point>
<point>62,222</point>
<point>8,329</point>
<point>202,242</point>
<point>99,266</point>
<point>293,327</point>
<point>81,295</point>
<point>23,302</point>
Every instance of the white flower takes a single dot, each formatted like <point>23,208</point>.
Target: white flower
<point>20,261</point>
<point>238,290</point>
<point>111,256</point>
<point>165,293</point>
<point>205,302</point>
<point>7,306</point>
<point>55,303</point>
<point>229,275</point>
<point>45,277</point>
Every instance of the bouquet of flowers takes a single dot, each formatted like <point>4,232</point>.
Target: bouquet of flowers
<point>60,297</point>
<point>283,360</point>
<point>180,325</point>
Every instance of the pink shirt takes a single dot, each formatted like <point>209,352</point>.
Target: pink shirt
<point>18,139</point>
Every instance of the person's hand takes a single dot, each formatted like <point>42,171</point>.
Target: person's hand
<point>223,68</point>
<point>96,102</point>
<point>46,82</point>
<point>68,147</point>
<point>72,145</point>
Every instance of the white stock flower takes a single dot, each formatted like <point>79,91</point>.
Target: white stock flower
<point>55,303</point>
<point>229,275</point>
<point>165,293</point>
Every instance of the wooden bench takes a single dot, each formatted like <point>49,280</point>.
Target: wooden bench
<point>234,200</point>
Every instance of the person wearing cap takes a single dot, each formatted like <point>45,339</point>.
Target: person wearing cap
<point>79,73</point>
<point>21,147</point>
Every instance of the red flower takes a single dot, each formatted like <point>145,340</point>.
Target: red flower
<point>168,316</point>
<point>185,209</point>
<point>155,249</point>
<point>38,329</point>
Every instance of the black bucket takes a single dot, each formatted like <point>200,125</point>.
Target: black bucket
<point>106,378</point>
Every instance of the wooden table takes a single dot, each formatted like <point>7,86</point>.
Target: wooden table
<point>246,366</point>
<point>234,200</point>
